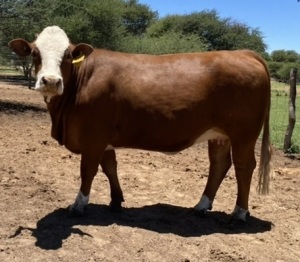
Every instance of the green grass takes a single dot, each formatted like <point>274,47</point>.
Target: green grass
<point>280,114</point>
<point>8,71</point>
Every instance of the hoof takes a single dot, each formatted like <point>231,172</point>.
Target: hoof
<point>115,207</point>
<point>237,220</point>
<point>201,213</point>
<point>73,213</point>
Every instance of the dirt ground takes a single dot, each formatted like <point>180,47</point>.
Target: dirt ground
<point>39,180</point>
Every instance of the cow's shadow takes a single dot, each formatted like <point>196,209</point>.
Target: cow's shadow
<point>52,229</point>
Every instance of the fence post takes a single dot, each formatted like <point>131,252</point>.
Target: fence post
<point>292,110</point>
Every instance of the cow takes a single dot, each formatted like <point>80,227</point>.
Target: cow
<point>101,100</point>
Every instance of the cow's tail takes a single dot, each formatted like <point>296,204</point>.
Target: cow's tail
<point>265,170</point>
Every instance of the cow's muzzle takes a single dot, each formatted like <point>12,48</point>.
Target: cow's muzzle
<point>51,81</point>
<point>50,85</point>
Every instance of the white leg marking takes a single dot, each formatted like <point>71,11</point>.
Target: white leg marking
<point>80,203</point>
<point>204,204</point>
<point>240,213</point>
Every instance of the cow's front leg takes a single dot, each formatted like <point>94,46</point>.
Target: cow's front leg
<point>88,169</point>
<point>79,206</point>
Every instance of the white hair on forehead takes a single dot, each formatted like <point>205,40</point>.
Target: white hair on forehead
<point>52,40</point>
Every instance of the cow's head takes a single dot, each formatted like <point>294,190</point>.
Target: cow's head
<point>53,55</point>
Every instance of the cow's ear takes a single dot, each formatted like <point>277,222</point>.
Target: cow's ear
<point>20,46</point>
<point>82,50</point>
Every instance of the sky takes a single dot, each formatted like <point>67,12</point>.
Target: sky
<point>278,20</point>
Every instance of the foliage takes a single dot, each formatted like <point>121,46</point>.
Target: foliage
<point>274,67</point>
<point>94,22</point>
<point>104,23</point>
<point>168,43</point>
<point>285,69</point>
<point>285,56</point>
<point>217,33</point>
<point>100,23</point>
<point>281,62</point>
<point>137,17</point>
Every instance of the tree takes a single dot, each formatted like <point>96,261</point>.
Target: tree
<point>292,56</point>
<point>205,25</point>
<point>274,67</point>
<point>241,36</point>
<point>26,18</point>
<point>168,43</point>
<point>127,25</point>
<point>284,56</point>
<point>137,17</point>
<point>281,62</point>
<point>100,23</point>
<point>217,33</point>
<point>284,71</point>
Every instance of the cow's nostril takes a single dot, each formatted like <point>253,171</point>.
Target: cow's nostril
<point>45,81</point>
<point>58,83</point>
<point>51,81</point>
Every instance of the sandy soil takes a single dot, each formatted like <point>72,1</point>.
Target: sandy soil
<point>39,179</point>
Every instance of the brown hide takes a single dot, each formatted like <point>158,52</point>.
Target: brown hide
<point>162,103</point>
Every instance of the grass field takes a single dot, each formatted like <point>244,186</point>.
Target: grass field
<point>280,116</point>
<point>8,71</point>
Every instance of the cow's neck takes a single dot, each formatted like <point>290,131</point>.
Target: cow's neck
<point>60,106</point>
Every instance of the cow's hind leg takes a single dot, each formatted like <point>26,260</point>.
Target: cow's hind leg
<point>220,162</point>
<point>109,168</point>
<point>244,162</point>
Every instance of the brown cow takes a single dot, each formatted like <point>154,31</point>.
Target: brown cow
<point>101,100</point>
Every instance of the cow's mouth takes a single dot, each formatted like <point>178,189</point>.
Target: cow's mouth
<point>49,86</point>
<point>48,92</point>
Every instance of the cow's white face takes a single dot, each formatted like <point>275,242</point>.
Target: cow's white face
<point>52,54</point>
<point>51,44</point>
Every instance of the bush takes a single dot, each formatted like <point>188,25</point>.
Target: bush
<point>169,43</point>
<point>281,71</point>
<point>284,71</point>
<point>274,67</point>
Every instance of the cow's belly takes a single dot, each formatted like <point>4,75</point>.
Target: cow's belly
<point>213,134</point>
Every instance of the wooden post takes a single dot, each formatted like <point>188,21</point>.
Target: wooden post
<point>292,110</point>
<point>30,75</point>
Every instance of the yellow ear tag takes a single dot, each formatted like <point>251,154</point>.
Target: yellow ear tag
<point>78,61</point>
